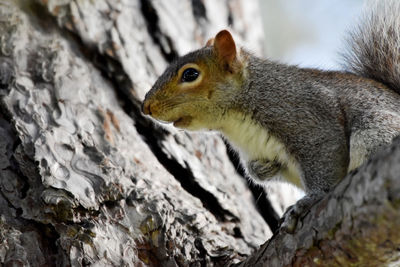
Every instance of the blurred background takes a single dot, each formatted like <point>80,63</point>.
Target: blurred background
<point>309,33</point>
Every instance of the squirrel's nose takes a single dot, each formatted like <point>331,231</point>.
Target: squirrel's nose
<point>146,107</point>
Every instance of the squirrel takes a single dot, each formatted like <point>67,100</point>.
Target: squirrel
<point>310,127</point>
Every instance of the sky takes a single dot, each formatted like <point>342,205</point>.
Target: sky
<point>308,33</point>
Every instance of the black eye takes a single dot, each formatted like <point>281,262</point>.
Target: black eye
<point>189,75</point>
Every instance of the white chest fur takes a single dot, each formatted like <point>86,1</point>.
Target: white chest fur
<point>255,142</point>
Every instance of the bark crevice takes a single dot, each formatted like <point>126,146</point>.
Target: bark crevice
<point>165,44</point>
<point>263,204</point>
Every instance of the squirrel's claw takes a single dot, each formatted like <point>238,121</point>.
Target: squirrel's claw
<point>293,214</point>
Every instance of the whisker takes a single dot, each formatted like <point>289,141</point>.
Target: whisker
<point>259,197</point>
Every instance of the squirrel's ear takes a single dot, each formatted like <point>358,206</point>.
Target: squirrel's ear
<point>225,47</point>
<point>210,42</point>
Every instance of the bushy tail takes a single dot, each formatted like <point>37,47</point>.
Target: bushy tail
<point>374,46</point>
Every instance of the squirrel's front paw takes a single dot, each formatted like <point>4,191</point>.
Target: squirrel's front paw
<point>292,215</point>
<point>263,169</point>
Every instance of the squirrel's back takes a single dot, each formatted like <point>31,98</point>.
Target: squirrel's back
<point>374,46</point>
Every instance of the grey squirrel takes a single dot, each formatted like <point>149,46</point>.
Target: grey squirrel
<point>308,126</point>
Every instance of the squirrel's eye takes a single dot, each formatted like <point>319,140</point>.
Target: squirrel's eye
<point>189,75</point>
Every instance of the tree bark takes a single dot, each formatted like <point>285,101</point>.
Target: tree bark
<point>86,179</point>
<point>356,224</point>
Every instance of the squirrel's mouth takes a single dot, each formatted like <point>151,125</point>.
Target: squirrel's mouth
<point>182,122</point>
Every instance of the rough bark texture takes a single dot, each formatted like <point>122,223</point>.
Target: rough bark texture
<point>86,179</point>
<point>355,225</point>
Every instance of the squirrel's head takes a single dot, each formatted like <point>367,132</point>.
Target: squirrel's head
<point>195,89</point>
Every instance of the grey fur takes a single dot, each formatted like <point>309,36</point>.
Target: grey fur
<point>263,169</point>
<point>374,48</point>
<point>329,122</point>
<point>315,114</point>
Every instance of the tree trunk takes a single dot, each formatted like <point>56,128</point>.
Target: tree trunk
<point>86,179</point>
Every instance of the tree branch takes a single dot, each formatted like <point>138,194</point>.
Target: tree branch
<point>356,224</point>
